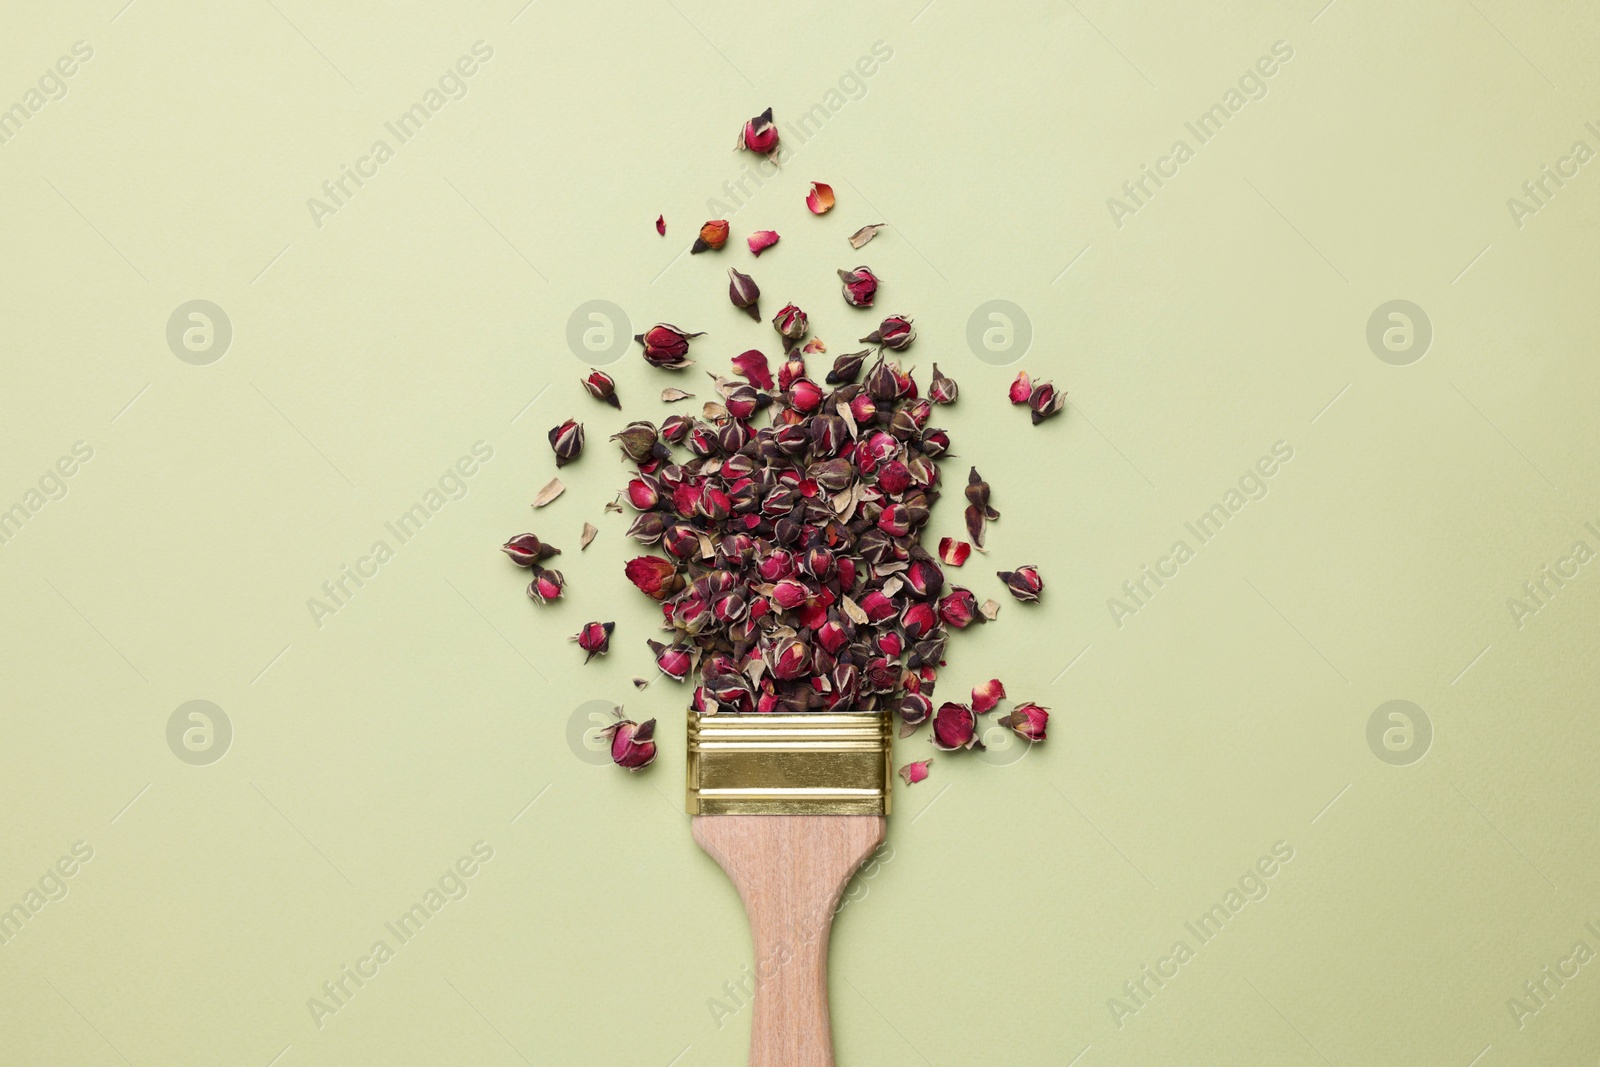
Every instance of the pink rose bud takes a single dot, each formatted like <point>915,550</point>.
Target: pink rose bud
<point>776,565</point>
<point>918,620</point>
<point>894,477</point>
<point>761,240</point>
<point>743,401</point>
<point>673,661</point>
<point>959,608</point>
<point>526,550</point>
<point>924,578</point>
<point>791,323</point>
<point>954,553</point>
<point>805,395</point>
<point>546,586</point>
<point>642,493</point>
<point>566,441</point>
<point>942,390</point>
<point>655,577</point>
<point>891,644</point>
<point>713,235</point>
<point>594,638</point>
<point>759,134</point>
<point>832,636</point>
<point>1027,721</point>
<point>986,696</point>
<point>744,293</point>
<point>666,346</point>
<point>790,594</point>
<point>915,772</point>
<point>935,443</point>
<point>1021,389</point>
<point>600,386</point>
<point>893,332</point>
<point>632,744</point>
<point>860,286</point>
<point>1024,582</point>
<point>954,726</point>
<point>877,606</point>
<point>790,659</point>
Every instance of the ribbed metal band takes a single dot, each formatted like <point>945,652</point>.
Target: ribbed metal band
<point>833,763</point>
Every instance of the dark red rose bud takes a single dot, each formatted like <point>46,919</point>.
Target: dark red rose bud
<point>942,390</point>
<point>805,395</point>
<point>895,520</point>
<point>986,696</point>
<point>600,386</point>
<point>681,540</point>
<point>666,346</point>
<point>733,435</point>
<point>655,577</point>
<point>954,727</point>
<point>675,429</point>
<point>642,493</point>
<point>674,661</point>
<point>595,639</point>
<point>790,593</point>
<point>882,385</point>
<point>924,578</point>
<point>893,332</point>
<point>1021,389</point>
<point>713,235</point>
<point>744,293</point>
<point>791,323</point>
<point>846,368</point>
<point>878,607</point>
<point>777,565</point>
<point>546,586</point>
<point>632,744</point>
<point>915,772</point>
<point>894,477</point>
<point>1024,583</point>
<point>860,286</point>
<point>1045,401</point>
<point>935,443</point>
<point>915,708</point>
<point>832,636</point>
<point>1027,721</point>
<point>891,644</point>
<point>640,442</point>
<point>959,608</point>
<point>832,475</point>
<point>789,659</point>
<point>743,401</point>
<point>566,441</point>
<point>918,620</point>
<point>792,369</point>
<point>759,134</point>
<point>526,550</point>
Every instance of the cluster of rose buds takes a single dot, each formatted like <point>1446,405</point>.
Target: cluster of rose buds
<point>955,726</point>
<point>1042,398</point>
<point>526,550</point>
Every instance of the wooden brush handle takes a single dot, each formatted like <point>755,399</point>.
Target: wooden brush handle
<point>790,871</point>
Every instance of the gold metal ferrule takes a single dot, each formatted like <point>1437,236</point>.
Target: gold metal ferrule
<point>814,763</point>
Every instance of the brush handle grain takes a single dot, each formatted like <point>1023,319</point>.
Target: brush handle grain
<point>790,871</point>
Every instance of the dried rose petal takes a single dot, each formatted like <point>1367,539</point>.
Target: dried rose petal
<point>986,696</point>
<point>752,364</point>
<point>791,323</point>
<point>672,396</point>
<point>865,234</point>
<point>820,199</point>
<point>666,346</point>
<point>761,240</point>
<point>955,727</point>
<point>1024,582</point>
<point>655,577</point>
<point>526,550</point>
<point>915,772</point>
<point>759,134</point>
<point>942,390</point>
<point>661,225</point>
<point>601,386</point>
<point>589,532</point>
<point>743,292</point>
<point>566,441</point>
<point>1021,389</point>
<point>1045,401</point>
<point>546,586</point>
<point>989,609</point>
<point>594,638</point>
<point>632,744</point>
<point>551,490</point>
<point>713,235</point>
<point>1027,721</point>
<point>893,332</point>
<point>953,552</point>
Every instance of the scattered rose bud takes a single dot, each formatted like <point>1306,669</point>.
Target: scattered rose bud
<point>641,442</point>
<point>673,661</point>
<point>526,550</point>
<point>820,199</point>
<point>566,441</point>
<point>958,608</point>
<point>744,293</point>
<point>594,638</point>
<point>753,365</point>
<point>942,390</point>
<point>952,552</point>
<point>601,386</point>
<point>661,225</point>
<point>1027,721</point>
<point>955,727</point>
<point>761,240</point>
<point>893,332</point>
<point>546,586</point>
<point>986,696</point>
<point>915,772</point>
<point>666,346</point>
<point>713,235</point>
<point>791,323</point>
<point>979,513</point>
<point>759,134</point>
<point>1045,401</point>
<point>1024,583</point>
<point>632,744</point>
<point>1021,389</point>
<point>865,234</point>
<point>860,286</point>
<point>656,577</point>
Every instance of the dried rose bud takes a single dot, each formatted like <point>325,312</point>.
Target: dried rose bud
<point>915,772</point>
<point>958,608</point>
<point>918,620</point>
<point>935,443</point>
<point>655,577</point>
<point>860,286</point>
<point>759,134</point>
<point>805,395</point>
<point>846,368</point>
<point>893,332</point>
<point>600,386</point>
<point>1027,721</point>
<point>1021,389</point>
<point>789,659</point>
<point>986,696</point>
<point>546,586</point>
<point>761,240</point>
<point>954,726</point>
<point>1024,582</point>
<point>526,550</point>
<point>878,606</point>
<point>954,553</point>
<point>743,292</point>
<point>820,199</point>
<point>915,708</point>
<point>942,390</point>
<point>882,385</point>
<point>791,323</point>
<point>675,428</point>
<point>632,744</point>
<point>1045,401</point>
<point>566,441</point>
<point>673,661</point>
<point>793,367</point>
<point>640,442</point>
<point>713,235</point>
<point>666,346</point>
<point>595,639</point>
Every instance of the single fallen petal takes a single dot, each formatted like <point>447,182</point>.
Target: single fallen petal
<point>865,234</point>
<point>661,225</point>
<point>549,493</point>
<point>1021,389</point>
<point>952,552</point>
<point>986,696</point>
<point>761,240</point>
<point>990,609</point>
<point>752,364</point>
<point>589,532</point>
<point>672,396</point>
<point>820,199</point>
<point>915,772</point>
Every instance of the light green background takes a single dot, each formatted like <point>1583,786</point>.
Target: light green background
<point>371,352</point>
